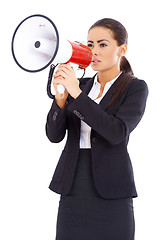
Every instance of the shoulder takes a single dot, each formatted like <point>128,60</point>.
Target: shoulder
<point>136,84</point>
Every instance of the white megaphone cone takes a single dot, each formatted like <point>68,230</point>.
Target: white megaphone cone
<point>36,44</point>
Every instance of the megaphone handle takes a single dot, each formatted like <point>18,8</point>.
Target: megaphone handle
<point>60,88</point>
<point>52,67</point>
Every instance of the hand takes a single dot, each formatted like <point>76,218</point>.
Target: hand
<point>60,98</point>
<point>65,75</point>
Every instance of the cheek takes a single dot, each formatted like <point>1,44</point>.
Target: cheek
<point>111,56</point>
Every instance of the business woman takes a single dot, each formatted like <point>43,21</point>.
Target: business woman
<point>94,175</point>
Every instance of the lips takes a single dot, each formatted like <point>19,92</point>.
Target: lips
<point>95,61</point>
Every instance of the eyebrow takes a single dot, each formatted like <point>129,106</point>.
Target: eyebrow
<point>99,41</point>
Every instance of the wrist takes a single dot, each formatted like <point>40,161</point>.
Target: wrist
<point>60,102</point>
<point>76,93</point>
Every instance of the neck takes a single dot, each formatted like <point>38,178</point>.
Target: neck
<point>107,76</point>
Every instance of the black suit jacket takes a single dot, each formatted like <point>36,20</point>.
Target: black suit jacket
<point>110,130</point>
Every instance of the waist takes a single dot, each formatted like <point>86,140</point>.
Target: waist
<point>84,165</point>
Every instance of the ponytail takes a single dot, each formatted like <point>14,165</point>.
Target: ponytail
<point>125,66</point>
<point>120,87</point>
<point>126,77</point>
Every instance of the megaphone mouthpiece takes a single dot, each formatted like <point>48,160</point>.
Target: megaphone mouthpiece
<point>81,55</point>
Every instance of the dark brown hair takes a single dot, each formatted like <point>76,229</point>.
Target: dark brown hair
<point>121,36</point>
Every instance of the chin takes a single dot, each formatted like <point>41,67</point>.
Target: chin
<point>95,68</point>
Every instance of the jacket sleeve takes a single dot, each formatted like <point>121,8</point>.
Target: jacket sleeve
<point>56,123</point>
<point>114,128</point>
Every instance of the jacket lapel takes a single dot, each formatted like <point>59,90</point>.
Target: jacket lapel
<point>104,103</point>
<point>87,85</point>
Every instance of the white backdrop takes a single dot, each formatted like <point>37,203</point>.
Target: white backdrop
<point>28,209</point>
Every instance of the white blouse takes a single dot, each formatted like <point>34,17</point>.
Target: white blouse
<point>93,94</point>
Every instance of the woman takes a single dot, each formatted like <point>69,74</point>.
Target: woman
<point>94,174</point>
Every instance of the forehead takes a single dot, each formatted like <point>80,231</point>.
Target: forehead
<point>98,33</point>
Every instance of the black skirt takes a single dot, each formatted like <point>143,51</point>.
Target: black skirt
<point>84,215</point>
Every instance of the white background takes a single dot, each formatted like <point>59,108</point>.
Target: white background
<point>28,209</point>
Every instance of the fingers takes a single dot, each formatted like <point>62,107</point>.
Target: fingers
<point>57,80</point>
<point>65,67</point>
<point>65,75</point>
<point>64,70</point>
<point>60,74</point>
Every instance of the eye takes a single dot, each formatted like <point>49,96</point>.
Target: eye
<point>90,45</point>
<point>103,45</point>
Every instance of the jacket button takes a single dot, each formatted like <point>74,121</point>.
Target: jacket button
<point>94,140</point>
<point>54,116</point>
<point>78,114</point>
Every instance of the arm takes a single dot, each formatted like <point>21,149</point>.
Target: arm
<point>114,128</point>
<point>56,119</point>
<point>56,123</point>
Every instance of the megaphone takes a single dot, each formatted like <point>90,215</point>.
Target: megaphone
<point>36,44</point>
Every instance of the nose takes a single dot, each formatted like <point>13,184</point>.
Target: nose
<point>95,51</point>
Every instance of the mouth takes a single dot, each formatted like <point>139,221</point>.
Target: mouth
<point>95,61</point>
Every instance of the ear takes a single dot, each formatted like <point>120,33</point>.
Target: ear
<point>123,50</point>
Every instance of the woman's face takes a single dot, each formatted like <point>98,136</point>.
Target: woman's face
<point>106,52</point>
